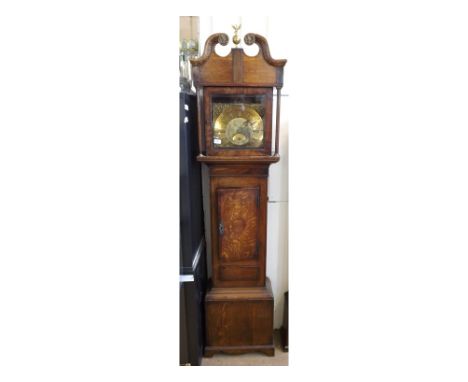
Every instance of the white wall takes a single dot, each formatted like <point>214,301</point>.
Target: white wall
<point>277,240</point>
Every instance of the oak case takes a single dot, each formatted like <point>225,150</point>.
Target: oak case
<point>239,303</point>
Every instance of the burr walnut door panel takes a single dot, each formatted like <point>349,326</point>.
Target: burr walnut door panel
<point>238,223</point>
<point>240,231</point>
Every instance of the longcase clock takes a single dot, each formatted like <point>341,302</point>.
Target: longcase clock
<point>235,134</point>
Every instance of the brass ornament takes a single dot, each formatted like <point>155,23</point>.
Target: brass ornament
<point>236,39</point>
<point>238,126</point>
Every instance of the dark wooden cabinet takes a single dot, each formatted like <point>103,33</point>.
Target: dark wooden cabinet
<point>235,136</point>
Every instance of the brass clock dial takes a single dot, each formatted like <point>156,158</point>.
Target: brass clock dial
<point>239,126</point>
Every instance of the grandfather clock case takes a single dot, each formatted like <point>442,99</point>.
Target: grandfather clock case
<point>235,96</point>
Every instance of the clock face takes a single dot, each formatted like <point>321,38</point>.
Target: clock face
<point>238,122</point>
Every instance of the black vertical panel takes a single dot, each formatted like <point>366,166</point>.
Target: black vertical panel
<point>183,335</point>
<point>192,292</point>
<point>191,207</point>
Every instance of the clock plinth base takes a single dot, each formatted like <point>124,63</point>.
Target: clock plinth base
<point>239,320</point>
<point>268,350</point>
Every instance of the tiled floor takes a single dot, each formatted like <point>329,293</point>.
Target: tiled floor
<point>252,359</point>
